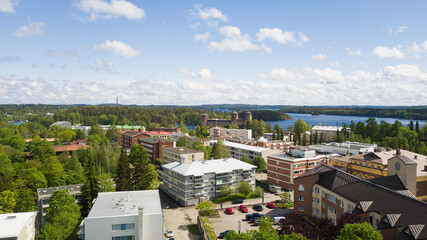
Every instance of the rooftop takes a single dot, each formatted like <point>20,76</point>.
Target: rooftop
<point>157,133</point>
<point>49,191</point>
<point>114,204</point>
<point>11,224</point>
<point>243,146</point>
<point>181,150</point>
<point>70,147</point>
<point>131,133</point>
<point>289,157</point>
<point>200,168</point>
<point>155,140</point>
<point>325,128</point>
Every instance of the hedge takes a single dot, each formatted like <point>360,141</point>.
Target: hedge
<point>230,198</point>
<point>208,228</point>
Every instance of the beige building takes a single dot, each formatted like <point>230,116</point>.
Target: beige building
<point>236,133</point>
<point>328,133</point>
<point>188,155</point>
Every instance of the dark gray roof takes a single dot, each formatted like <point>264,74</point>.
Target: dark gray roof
<point>372,197</point>
<point>131,133</point>
<point>392,182</point>
<point>405,159</point>
<point>154,140</point>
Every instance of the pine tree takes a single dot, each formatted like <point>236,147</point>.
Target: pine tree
<point>417,127</point>
<point>123,176</point>
<point>411,125</point>
<point>90,188</point>
<point>144,174</point>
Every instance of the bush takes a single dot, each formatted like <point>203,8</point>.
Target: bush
<point>208,228</point>
<point>230,198</point>
<point>252,195</point>
<point>284,205</point>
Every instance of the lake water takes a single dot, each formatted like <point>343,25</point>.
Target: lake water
<point>332,120</point>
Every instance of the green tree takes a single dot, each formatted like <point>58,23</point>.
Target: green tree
<point>145,176</point>
<point>197,145</point>
<point>258,191</point>
<point>106,183</point>
<point>66,135</point>
<point>300,127</point>
<point>226,190</point>
<point>6,171</point>
<point>7,201</point>
<point>246,160</point>
<point>54,172</point>
<point>260,163</point>
<point>182,142</point>
<point>219,150</point>
<point>62,217</point>
<point>41,149</point>
<point>359,231</point>
<point>205,207</point>
<point>123,178</point>
<point>112,133</point>
<point>90,188</point>
<point>244,187</point>
<point>233,126</point>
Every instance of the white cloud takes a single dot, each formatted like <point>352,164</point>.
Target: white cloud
<point>335,64</point>
<point>266,49</point>
<point>8,5</point>
<point>210,13</point>
<point>353,52</point>
<point>204,74</point>
<point>401,29</point>
<point>234,41</point>
<point>385,52</point>
<point>117,48</point>
<point>107,66</point>
<point>303,37</point>
<point>319,57</point>
<point>30,29</point>
<point>275,34</point>
<point>281,74</point>
<point>10,59</point>
<point>74,55</point>
<point>202,37</point>
<point>100,9</point>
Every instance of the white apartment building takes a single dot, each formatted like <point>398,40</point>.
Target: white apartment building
<point>18,226</point>
<point>131,215</point>
<point>238,150</point>
<point>345,148</point>
<point>191,183</point>
<point>237,133</point>
<point>327,132</point>
<point>177,153</point>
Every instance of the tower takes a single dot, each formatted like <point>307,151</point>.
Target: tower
<point>234,117</point>
<point>406,170</point>
<point>248,116</point>
<point>204,120</point>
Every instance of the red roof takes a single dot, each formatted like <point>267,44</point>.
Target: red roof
<point>71,147</point>
<point>157,133</point>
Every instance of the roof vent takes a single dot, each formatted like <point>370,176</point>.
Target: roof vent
<point>10,217</point>
<point>415,156</point>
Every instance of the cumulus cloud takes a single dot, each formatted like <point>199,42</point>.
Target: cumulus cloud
<point>29,29</point>
<point>399,29</point>
<point>210,13</point>
<point>319,57</point>
<point>353,52</point>
<point>204,74</point>
<point>100,9</point>
<point>73,55</point>
<point>8,6</point>
<point>275,34</point>
<point>385,52</point>
<point>106,66</point>
<point>117,48</point>
<point>202,37</point>
<point>234,41</point>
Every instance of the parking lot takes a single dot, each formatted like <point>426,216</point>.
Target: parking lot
<point>231,222</point>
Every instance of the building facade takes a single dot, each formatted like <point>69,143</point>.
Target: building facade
<point>238,150</point>
<point>224,122</point>
<point>155,146</point>
<point>284,167</point>
<point>133,215</point>
<point>156,134</point>
<point>191,183</point>
<point>128,138</point>
<point>265,143</point>
<point>344,148</point>
<point>18,226</point>
<point>216,132</point>
<point>176,154</point>
<point>327,133</point>
<point>327,192</point>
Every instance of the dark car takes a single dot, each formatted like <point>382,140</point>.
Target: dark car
<point>248,216</point>
<point>222,235</point>
<point>256,221</point>
<point>237,201</point>
<point>257,207</point>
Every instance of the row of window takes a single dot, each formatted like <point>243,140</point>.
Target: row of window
<point>120,227</point>
<point>124,238</point>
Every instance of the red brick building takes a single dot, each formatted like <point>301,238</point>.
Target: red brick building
<point>156,134</point>
<point>327,192</point>
<point>155,146</point>
<point>128,138</point>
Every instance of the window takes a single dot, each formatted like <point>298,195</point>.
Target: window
<point>301,208</point>
<point>301,188</point>
<point>323,193</point>
<point>301,197</point>
<point>323,204</point>
<point>332,198</point>
<point>341,203</point>
<point>124,238</point>
<point>329,208</point>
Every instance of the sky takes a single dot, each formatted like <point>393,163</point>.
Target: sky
<point>213,52</point>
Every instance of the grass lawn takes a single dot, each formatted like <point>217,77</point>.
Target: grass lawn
<point>194,229</point>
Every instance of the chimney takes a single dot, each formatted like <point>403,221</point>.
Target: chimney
<point>182,160</point>
<point>415,157</point>
<point>140,222</point>
<point>397,151</point>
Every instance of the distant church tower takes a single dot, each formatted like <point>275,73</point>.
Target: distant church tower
<point>234,118</point>
<point>248,116</point>
<point>204,120</point>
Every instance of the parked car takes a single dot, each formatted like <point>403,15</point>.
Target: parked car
<point>256,221</point>
<point>248,216</point>
<point>237,201</point>
<point>271,205</point>
<point>169,233</point>
<point>229,211</point>
<point>276,220</point>
<point>222,235</point>
<point>257,207</point>
<point>243,208</point>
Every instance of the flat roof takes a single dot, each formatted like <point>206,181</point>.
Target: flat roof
<point>181,150</point>
<point>199,168</point>
<point>11,224</point>
<point>243,146</point>
<point>289,157</point>
<point>114,204</point>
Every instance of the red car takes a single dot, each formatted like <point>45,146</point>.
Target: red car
<point>229,211</point>
<point>243,208</point>
<point>271,205</point>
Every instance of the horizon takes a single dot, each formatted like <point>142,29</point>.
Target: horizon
<point>331,53</point>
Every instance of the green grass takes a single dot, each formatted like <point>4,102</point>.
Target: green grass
<point>194,229</point>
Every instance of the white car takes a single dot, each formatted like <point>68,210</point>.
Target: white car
<point>169,233</point>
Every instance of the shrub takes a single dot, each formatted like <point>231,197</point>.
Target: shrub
<point>252,195</point>
<point>208,228</point>
<point>230,198</point>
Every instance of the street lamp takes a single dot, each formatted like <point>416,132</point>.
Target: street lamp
<point>239,226</point>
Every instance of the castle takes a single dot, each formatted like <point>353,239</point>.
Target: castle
<point>224,122</point>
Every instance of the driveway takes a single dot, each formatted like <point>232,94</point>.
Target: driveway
<point>178,220</point>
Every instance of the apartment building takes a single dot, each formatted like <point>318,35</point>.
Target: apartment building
<point>155,146</point>
<point>177,153</point>
<point>327,192</point>
<point>345,148</point>
<point>44,195</point>
<point>216,132</point>
<point>238,150</point>
<point>287,136</point>
<point>191,139</point>
<point>264,143</point>
<point>191,183</point>
<point>18,226</point>
<point>327,133</point>
<point>284,167</point>
<point>130,215</point>
<point>128,138</point>
<point>156,134</point>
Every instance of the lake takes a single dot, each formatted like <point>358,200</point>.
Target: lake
<point>332,120</point>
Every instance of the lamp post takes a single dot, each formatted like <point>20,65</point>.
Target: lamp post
<point>239,226</point>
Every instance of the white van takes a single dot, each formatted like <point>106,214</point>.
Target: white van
<point>276,220</point>
<point>275,189</point>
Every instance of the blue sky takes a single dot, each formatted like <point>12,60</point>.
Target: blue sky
<point>206,52</point>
